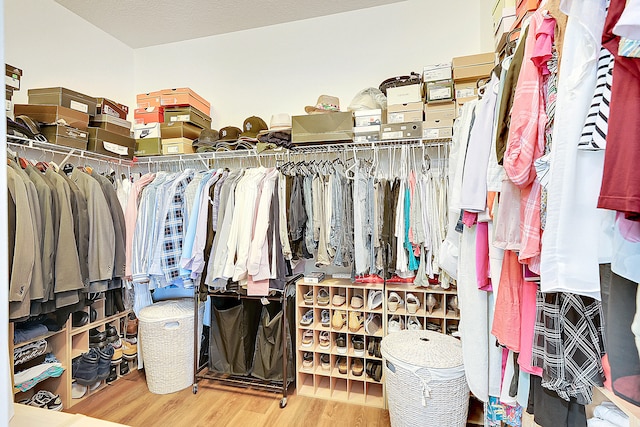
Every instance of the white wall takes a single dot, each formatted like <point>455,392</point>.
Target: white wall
<point>55,47</point>
<point>284,67</point>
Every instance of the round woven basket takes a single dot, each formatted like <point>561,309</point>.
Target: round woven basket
<point>424,378</point>
<point>165,332</point>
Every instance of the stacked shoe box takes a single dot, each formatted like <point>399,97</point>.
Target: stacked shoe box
<point>109,130</point>
<point>74,134</point>
<point>467,71</point>
<point>168,120</point>
<point>367,125</point>
<point>12,78</point>
<point>439,107</point>
<point>404,112</point>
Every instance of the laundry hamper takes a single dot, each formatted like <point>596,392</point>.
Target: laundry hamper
<point>165,332</point>
<point>425,381</point>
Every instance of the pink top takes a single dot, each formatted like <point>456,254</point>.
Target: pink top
<point>543,47</point>
<point>130,216</point>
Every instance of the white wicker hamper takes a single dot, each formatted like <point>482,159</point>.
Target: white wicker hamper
<point>425,380</point>
<point>165,332</point>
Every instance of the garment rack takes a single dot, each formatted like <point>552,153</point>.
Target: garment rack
<point>240,380</point>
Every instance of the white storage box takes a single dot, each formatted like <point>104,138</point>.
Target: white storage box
<point>165,333</point>
<point>425,380</point>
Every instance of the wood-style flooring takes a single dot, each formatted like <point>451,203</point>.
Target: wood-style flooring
<point>128,401</point>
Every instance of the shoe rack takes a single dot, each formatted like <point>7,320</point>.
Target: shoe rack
<point>444,317</point>
<point>67,344</point>
<point>330,381</point>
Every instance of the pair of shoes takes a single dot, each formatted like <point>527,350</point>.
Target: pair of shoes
<point>358,345</point>
<point>338,300</point>
<point>357,367</point>
<point>307,338</point>
<point>374,347</point>
<point>325,362</point>
<point>46,400</point>
<point>373,323</point>
<point>452,305</point>
<point>341,344</point>
<point>452,329</point>
<point>397,279</point>
<point>369,278</point>
<point>124,367</point>
<point>374,300</point>
<point>308,297</point>
<point>325,318</point>
<point>113,374</point>
<point>413,303</point>
<point>394,301</point>
<point>112,334</point>
<point>307,360</point>
<point>374,370</point>
<point>307,318</point>
<point>79,318</point>
<point>341,364</point>
<point>355,321</point>
<point>104,363</point>
<point>432,303</point>
<point>325,339</point>
<point>323,297</point>
<point>436,327</point>
<point>413,324</point>
<point>77,390</point>
<point>130,348</point>
<point>396,323</point>
<point>85,368</point>
<point>132,325</point>
<point>339,319</point>
<point>357,301</point>
<point>97,339</point>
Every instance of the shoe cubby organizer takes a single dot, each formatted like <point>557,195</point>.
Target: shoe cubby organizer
<point>67,344</point>
<point>433,308</point>
<point>338,357</point>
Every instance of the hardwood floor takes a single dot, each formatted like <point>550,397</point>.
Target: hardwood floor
<point>128,401</point>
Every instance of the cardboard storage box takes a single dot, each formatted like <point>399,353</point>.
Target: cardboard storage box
<point>439,115</point>
<point>402,131</point>
<point>50,114</point>
<point>12,77</point>
<point>367,117</point>
<point>399,108</point>
<point>111,108</point>
<point>64,97</point>
<point>110,144</point>
<point>437,133</point>
<point>404,94</point>
<point>187,114</point>
<point>405,116</point>
<point>440,91</point>
<point>184,96</point>
<point>149,130</point>
<point>149,115</point>
<point>368,133</point>
<point>148,147</point>
<point>473,66</point>
<point>112,124</point>
<point>466,90</point>
<point>328,127</point>
<point>66,135</point>
<point>148,100</point>
<point>432,73</point>
<point>177,146</point>
<point>179,130</point>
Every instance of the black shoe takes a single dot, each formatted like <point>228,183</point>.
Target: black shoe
<point>112,333</point>
<point>124,368</point>
<point>104,364</point>
<point>113,375</point>
<point>117,300</point>
<point>85,368</point>
<point>79,318</point>
<point>93,314</point>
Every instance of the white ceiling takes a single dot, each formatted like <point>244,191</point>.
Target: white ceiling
<point>143,23</point>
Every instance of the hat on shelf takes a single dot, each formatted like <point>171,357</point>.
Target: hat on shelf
<point>280,122</point>
<point>325,104</point>
<point>230,133</point>
<point>370,98</point>
<point>208,137</point>
<point>251,127</point>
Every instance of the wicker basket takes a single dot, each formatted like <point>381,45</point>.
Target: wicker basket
<point>425,381</point>
<point>165,332</point>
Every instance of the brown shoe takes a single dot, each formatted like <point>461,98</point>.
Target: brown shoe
<point>132,326</point>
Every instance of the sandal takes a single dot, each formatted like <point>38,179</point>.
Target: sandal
<point>373,323</point>
<point>357,367</point>
<point>413,304</point>
<point>325,339</point>
<point>394,301</point>
<point>308,297</point>
<point>338,319</point>
<point>358,345</point>
<point>375,299</point>
<point>355,321</point>
<point>357,301</point>
<point>338,300</point>
<point>341,344</point>
<point>307,338</point>
<point>342,365</point>
<point>325,318</point>
<point>323,297</point>
<point>432,303</point>
<point>307,318</point>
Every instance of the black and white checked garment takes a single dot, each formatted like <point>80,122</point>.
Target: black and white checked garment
<point>594,133</point>
<point>569,344</point>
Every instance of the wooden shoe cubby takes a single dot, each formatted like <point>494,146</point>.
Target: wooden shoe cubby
<point>442,316</point>
<point>67,344</point>
<point>316,381</point>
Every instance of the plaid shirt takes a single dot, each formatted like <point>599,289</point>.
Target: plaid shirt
<point>526,145</point>
<point>174,228</point>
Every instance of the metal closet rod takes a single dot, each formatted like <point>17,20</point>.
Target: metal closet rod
<point>310,149</point>
<point>68,152</point>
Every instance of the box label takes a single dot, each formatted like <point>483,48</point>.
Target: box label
<point>431,133</point>
<point>440,93</point>
<point>181,118</point>
<point>12,81</point>
<point>115,148</point>
<point>392,135</point>
<point>173,149</point>
<point>79,106</point>
<point>465,93</point>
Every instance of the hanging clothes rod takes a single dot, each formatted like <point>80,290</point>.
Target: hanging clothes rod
<point>24,143</point>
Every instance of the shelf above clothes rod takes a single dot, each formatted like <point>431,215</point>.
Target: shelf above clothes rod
<point>25,143</point>
<point>298,150</point>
